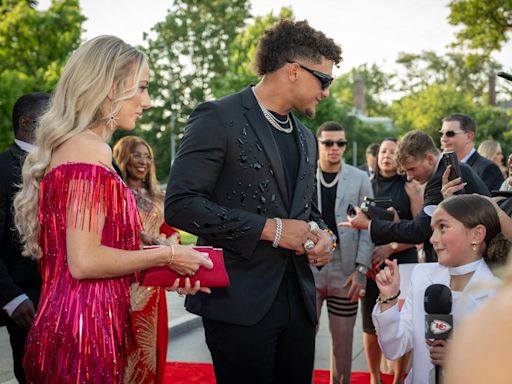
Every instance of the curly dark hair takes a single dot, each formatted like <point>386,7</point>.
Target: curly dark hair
<point>291,40</point>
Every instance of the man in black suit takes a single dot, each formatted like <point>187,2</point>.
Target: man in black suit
<point>20,283</point>
<point>458,134</point>
<point>421,161</point>
<point>371,160</point>
<point>243,180</point>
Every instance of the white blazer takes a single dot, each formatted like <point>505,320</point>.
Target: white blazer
<point>399,332</point>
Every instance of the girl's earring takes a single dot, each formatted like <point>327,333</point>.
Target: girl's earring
<point>474,245</point>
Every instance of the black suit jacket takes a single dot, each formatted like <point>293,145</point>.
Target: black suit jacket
<point>226,180</point>
<point>18,274</point>
<point>488,171</point>
<point>418,229</point>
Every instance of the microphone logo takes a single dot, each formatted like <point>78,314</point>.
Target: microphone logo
<point>438,327</point>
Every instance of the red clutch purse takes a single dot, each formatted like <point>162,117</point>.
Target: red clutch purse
<point>163,276</point>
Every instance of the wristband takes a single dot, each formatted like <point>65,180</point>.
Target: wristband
<point>333,239</point>
<point>279,231</point>
<point>380,300</point>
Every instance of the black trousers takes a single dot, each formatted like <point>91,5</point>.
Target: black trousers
<point>279,349</point>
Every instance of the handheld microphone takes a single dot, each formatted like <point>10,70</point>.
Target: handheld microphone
<point>505,75</point>
<point>438,320</point>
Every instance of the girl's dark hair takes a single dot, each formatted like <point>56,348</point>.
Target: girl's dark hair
<point>472,210</point>
<point>292,40</point>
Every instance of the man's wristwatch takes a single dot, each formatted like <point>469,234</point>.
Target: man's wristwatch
<point>393,245</point>
<point>361,269</point>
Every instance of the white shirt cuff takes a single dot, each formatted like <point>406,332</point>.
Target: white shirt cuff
<point>11,306</point>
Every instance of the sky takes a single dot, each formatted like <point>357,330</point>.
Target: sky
<point>369,31</point>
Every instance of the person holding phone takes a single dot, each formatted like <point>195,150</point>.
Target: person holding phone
<point>458,134</point>
<point>419,157</point>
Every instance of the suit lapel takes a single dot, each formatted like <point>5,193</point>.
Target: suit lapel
<point>262,129</point>
<point>341,187</point>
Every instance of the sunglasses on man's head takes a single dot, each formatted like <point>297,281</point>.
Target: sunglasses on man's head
<point>449,133</point>
<point>330,143</point>
<point>325,79</point>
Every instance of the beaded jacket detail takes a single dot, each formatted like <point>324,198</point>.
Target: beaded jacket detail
<point>82,331</point>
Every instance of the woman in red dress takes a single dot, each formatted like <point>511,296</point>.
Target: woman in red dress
<point>78,218</point>
<point>149,310</point>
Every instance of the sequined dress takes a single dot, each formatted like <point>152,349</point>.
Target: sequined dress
<point>82,330</point>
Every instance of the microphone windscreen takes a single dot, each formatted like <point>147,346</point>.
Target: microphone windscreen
<point>438,299</point>
<point>505,75</point>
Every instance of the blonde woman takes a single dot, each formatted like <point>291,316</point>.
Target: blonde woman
<point>134,157</point>
<point>492,150</point>
<point>80,220</point>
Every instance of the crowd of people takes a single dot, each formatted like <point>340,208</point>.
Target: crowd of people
<point>297,225</point>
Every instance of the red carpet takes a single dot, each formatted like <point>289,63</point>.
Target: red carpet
<point>202,373</point>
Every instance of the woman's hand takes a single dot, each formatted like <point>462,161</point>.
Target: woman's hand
<point>437,350</point>
<point>188,289</point>
<point>186,260</point>
<point>388,279</point>
<point>450,187</point>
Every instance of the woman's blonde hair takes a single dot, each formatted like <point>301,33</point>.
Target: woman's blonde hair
<point>488,149</point>
<point>122,152</point>
<point>99,68</point>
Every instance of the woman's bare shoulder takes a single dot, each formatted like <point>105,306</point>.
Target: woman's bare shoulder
<point>85,147</point>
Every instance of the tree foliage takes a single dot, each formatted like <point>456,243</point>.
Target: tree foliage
<point>34,46</point>
<point>188,53</point>
<point>486,24</point>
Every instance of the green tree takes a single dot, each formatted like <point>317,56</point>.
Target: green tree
<point>34,46</point>
<point>188,52</point>
<point>425,110</point>
<point>486,25</point>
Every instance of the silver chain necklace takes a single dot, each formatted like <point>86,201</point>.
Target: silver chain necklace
<point>272,119</point>
<point>325,183</point>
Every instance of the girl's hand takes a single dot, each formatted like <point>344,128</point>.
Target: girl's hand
<point>388,279</point>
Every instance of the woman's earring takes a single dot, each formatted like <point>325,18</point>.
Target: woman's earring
<point>112,120</point>
<point>474,245</point>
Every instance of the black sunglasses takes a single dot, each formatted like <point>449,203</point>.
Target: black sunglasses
<point>448,133</point>
<point>330,143</point>
<point>325,79</point>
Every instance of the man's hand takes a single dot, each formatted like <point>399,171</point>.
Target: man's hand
<point>450,187</point>
<point>357,282</point>
<point>437,350</point>
<point>23,315</point>
<point>293,235</point>
<point>322,252</point>
<point>380,253</point>
<point>359,221</point>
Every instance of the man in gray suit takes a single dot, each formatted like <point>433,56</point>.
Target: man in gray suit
<point>342,282</point>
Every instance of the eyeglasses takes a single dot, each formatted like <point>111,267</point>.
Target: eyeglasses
<point>325,79</point>
<point>139,156</point>
<point>449,133</point>
<point>330,143</point>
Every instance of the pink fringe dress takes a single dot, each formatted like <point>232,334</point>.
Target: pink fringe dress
<point>82,331</point>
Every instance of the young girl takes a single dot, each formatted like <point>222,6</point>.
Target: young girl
<point>466,237</point>
<point>80,221</point>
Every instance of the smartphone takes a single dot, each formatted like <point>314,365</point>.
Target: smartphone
<point>351,211</point>
<point>506,194</point>
<point>450,158</point>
